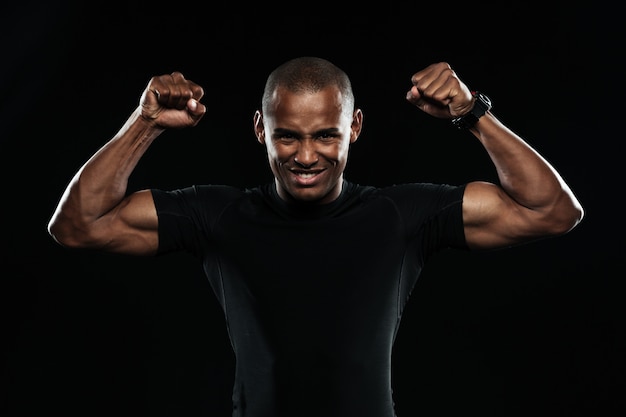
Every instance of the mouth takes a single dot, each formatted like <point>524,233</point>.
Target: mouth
<point>306,177</point>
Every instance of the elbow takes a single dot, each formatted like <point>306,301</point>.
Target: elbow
<point>64,233</point>
<point>56,231</point>
<point>565,217</point>
<point>578,213</point>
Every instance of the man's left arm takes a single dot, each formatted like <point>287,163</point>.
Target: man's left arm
<point>531,200</point>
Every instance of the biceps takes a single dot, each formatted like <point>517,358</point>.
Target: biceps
<point>492,219</point>
<point>132,227</point>
<point>137,211</point>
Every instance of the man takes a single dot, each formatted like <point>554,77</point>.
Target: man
<point>313,271</point>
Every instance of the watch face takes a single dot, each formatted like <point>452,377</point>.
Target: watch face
<point>482,105</point>
<point>486,99</point>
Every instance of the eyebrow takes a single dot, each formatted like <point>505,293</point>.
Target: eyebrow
<point>281,131</point>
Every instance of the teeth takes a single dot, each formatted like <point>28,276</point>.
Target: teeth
<point>306,175</point>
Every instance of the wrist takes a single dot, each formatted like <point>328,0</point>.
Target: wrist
<point>147,122</point>
<point>482,104</point>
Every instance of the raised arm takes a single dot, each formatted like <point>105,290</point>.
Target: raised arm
<point>95,211</point>
<point>530,202</point>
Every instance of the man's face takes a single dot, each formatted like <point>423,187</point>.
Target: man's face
<point>307,137</point>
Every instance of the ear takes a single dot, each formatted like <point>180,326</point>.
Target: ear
<point>357,125</point>
<point>259,128</point>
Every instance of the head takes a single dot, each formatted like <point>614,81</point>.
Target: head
<point>307,123</point>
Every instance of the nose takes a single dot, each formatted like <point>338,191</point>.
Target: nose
<point>306,154</point>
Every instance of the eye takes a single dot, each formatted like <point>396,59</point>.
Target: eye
<point>285,137</point>
<point>325,136</point>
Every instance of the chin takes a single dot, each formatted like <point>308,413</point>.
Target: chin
<point>307,195</point>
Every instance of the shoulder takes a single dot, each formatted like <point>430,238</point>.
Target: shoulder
<point>199,192</point>
<point>206,197</point>
<point>421,201</point>
<point>417,191</point>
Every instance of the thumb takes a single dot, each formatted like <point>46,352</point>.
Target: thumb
<point>195,109</point>
<point>414,97</point>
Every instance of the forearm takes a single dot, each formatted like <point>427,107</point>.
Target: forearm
<point>522,172</point>
<point>527,178</point>
<point>101,183</point>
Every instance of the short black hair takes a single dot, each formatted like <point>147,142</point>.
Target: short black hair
<point>308,74</point>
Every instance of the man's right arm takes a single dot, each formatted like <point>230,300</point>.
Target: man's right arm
<point>95,211</point>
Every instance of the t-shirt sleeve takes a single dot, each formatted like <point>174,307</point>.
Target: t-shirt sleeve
<point>432,212</point>
<point>187,216</point>
<point>444,229</point>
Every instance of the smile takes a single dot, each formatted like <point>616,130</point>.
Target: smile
<point>306,177</point>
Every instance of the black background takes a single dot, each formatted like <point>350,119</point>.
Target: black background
<point>536,330</point>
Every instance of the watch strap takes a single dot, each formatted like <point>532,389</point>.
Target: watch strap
<point>482,104</point>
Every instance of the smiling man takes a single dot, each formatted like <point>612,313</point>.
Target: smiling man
<point>310,124</point>
<point>313,271</point>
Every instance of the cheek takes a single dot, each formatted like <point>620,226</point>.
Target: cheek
<point>341,150</point>
<point>277,154</point>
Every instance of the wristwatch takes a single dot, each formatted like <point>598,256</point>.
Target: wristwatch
<point>482,105</point>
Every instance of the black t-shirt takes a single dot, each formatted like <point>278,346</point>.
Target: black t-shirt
<point>312,294</point>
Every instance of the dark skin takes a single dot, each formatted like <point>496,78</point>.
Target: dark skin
<point>307,137</point>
